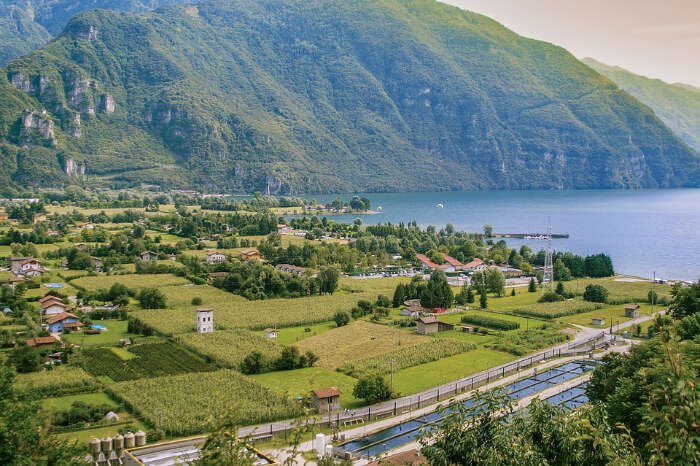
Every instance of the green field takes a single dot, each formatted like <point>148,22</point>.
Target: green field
<point>135,281</point>
<point>231,311</point>
<point>619,289</point>
<point>418,378</point>
<point>65,402</point>
<point>290,335</point>
<point>300,382</point>
<point>615,312</point>
<point>116,329</point>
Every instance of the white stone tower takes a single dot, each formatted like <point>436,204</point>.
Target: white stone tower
<point>205,320</point>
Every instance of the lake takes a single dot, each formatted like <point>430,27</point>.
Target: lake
<point>644,231</point>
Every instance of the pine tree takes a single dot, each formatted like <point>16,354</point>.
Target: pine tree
<point>483,300</point>
<point>532,287</point>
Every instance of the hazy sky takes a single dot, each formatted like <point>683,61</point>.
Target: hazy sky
<point>654,38</point>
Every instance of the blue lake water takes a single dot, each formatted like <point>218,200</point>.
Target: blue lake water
<point>643,231</point>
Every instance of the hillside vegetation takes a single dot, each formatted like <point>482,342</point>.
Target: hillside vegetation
<point>322,96</point>
<point>677,105</point>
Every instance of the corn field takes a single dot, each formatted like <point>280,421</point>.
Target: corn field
<point>63,380</point>
<point>229,347</point>
<point>557,309</point>
<point>190,404</point>
<point>407,357</point>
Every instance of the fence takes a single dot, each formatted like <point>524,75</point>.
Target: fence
<point>410,403</point>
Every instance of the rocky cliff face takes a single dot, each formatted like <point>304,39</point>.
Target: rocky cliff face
<point>40,123</point>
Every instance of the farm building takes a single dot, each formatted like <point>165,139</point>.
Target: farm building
<point>62,321</point>
<point>147,256</point>
<point>214,257</point>
<point>291,269</point>
<point>431,324</point>
<point>42,341</point>
<point>249,255</point>
<point>325,400</point>
<point>205,320</point>
<point>270,333</point>
<point>631,310</point>
<point>282,229</point>
<point>598,320</point>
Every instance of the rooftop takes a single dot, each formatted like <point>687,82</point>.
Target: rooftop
<point>326,392</point>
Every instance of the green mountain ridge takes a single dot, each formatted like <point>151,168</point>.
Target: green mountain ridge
<point>323,96</point>
<point>677,105</point>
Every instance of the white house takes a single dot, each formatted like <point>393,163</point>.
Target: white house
<point>149,256</point>
<point>205,320</point>
<point>477,265</point>
<point>270,333</point>
<point>214,257</point>
<point>52,305</point>
<point>282,229</point>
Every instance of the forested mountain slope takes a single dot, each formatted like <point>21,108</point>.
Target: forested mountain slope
<point>677,105</point>
<point>319,96</point>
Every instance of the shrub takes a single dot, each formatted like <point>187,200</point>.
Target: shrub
<point>490,322</point>
<point>341,318</point>
<point>595,293</point>
<point>551,297</point>
<point>196,301</point>
<point>372,388</point>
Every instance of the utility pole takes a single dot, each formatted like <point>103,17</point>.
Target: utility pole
<point>392,362</point>
<point>548,266</point>
<point>653,296</point>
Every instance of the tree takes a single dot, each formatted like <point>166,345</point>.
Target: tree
<point>372,388</point>
<point>437,292</point>
<point>289,359</point>
<point>561,272</point>
<point>685,301</point>
<point>599,265</point>
<point>488,231</point>
<point>483,300</point>
<point>24,439</point>
<point>383,301</point>
<point>328,279</point>
<point>512,292</point>
<point>25,359</point>
<point>399,295</point>
<point>341,318</point>
<point>595,293</point>
<point>532,287</point>
<point>560,288</point>
<point>495,281</point>
<point>79,260</point>
<point>253,363</point>
<point>151,298</point>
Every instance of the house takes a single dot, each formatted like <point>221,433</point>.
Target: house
<point>214,257</point>
<point>508,271</point>
<point>282,229</point>
<point>631,310</point>
<point>216,275</point>
<point>249,255</point>
<point>62,321</point>
<point>451,264</point>
<point>270,333</point>
<point>291,269</point>
<point>426,263</point>
<point>598,320</point>
<point>325,400</point>
<point>412,311</point>
<point>172,257</point>
<point>42,341</point>
<point>52,305</point>
<point>477,265</point>
<point>467,329</point>
<point>23,265</point>
<point>205,320</point>
<point>431,324</point>
<point>97,262</point>
<point>147,256</point>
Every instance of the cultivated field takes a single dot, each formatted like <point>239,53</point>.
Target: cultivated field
<point>357,340</point>
<point>62,380</point>
<point>557,309</point>
<point>135,281</point>
<point>230,347</point>
<point>191,403</point>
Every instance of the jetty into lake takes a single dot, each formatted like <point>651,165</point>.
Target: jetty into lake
<point>529,235</point>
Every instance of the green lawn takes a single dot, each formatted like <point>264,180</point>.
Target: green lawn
<point>615,312</point>
<point>116,329</point>
<point>289,335</point>
<point>65,402</point>
<point>300,382</point>
<point>134,281</point>
<point>418,378</point>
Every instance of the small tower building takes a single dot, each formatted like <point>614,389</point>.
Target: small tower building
<point>205,320</point>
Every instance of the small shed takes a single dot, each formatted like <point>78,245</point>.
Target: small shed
<point>112,416</point>
<point>631,310</point>
<point>467,329</point>
<point>125,342</point>
<point>431,324</point>
<point>270,333</point>
<point>598,320</point>
<point>325,400</point>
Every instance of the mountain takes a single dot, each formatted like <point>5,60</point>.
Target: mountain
<point>28,24</point>
<point>288,96</point>
<point>677,105</point>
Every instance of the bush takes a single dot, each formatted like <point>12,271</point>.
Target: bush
<point>595,294</point>
<point>151,298</point>
<point>341,318</point>
<point>551,297</point>
<point>383,301</point>
<point>196,301</point>
<point>372,388</point>
<point>490,322</point>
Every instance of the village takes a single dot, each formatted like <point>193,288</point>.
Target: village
<point>139,313</point>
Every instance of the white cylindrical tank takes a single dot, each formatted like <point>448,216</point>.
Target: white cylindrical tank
<point>129,440</point>
<point>140,438</point>
<point>118,443</point>
<point>106,446</point>
<point>329,451</point>
<point>320,445</point>
<point>95,447</point>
